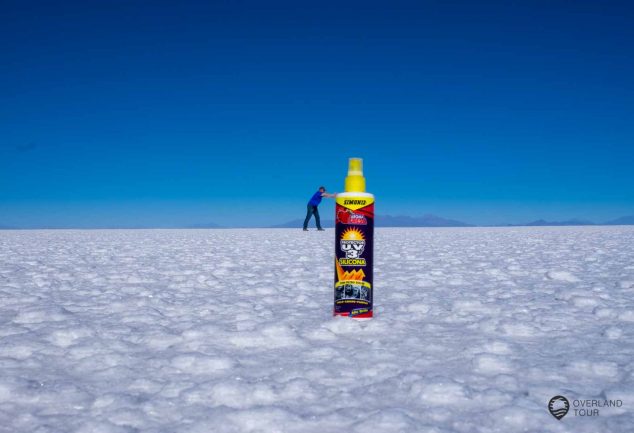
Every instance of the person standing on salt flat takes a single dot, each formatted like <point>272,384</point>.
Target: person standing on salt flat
<point>311,207</point>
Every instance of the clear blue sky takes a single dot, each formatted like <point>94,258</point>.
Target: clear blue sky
<point>176,113</point>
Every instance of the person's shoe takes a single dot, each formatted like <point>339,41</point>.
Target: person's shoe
<point>321,230</point>
<point>305,230</point>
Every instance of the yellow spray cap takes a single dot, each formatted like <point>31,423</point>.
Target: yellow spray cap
<point>355,182</point>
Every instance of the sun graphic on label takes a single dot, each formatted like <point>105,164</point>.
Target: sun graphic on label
<point>352,234</point>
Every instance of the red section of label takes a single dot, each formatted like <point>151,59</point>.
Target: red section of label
<point>347,216</point>
<point>360,316</point>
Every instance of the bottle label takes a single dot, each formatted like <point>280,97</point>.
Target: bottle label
<point>354,241</point>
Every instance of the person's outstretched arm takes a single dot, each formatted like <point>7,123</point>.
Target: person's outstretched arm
<point>329,195</point>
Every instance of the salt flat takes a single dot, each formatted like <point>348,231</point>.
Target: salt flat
<point>231,331</point>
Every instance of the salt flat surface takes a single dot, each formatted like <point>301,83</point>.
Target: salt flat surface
<point>231,331</point>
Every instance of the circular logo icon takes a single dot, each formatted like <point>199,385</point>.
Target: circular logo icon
<point>558,406</point>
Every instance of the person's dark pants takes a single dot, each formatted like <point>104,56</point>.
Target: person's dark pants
<point>310,211</point>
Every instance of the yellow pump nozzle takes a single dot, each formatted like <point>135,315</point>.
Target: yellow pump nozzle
<point>355,182</point>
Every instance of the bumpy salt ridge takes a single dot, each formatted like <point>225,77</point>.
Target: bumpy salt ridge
<point>231,331</point>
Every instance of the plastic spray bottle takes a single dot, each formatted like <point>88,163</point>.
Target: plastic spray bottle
<point>354,243</point>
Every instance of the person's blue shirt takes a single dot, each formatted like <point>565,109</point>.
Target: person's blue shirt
<point>315,199</point>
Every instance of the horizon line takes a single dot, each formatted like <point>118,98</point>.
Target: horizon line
<point>406,221</point>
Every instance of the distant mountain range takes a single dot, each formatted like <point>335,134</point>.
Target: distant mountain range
<point>387,221</point>
<point>298,223</point>
<point>571,222</point>
<point>430,220</point>
<point>623,221</point>
<point>427,220</point>
<point>204,226</point>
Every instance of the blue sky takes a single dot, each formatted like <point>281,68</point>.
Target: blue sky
<point>162,114</point>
